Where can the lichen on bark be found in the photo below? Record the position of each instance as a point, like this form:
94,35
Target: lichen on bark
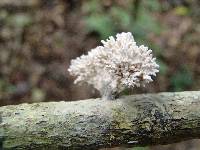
144,119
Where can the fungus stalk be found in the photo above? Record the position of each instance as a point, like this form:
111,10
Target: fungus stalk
108,93
117,65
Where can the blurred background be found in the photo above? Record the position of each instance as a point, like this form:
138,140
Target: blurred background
38,38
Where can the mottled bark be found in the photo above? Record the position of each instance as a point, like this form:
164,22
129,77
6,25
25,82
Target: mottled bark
91,124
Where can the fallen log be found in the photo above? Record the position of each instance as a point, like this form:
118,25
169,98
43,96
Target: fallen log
136,120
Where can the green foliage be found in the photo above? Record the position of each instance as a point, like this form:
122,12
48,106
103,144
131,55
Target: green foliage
101,24
19,20
106,22
6,87
145,24
163,67
92,6
181,79
140,148
181,10
153,5
121,17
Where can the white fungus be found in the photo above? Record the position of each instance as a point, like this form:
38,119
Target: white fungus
115,66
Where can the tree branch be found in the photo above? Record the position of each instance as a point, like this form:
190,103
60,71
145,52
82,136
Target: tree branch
91,124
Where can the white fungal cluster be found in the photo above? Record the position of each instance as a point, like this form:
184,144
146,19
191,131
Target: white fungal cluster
116,65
